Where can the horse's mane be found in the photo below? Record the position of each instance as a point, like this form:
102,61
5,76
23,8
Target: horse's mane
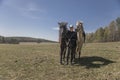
62,29
80,28
80,32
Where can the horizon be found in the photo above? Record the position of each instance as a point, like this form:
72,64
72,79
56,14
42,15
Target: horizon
39,18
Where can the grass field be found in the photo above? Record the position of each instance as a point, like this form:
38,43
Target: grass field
99,61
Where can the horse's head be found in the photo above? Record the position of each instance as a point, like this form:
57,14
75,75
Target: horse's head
62,29
62,26
79,25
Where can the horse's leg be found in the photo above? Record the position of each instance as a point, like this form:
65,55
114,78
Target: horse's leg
79,54
61,54
64,53
80,47
61,57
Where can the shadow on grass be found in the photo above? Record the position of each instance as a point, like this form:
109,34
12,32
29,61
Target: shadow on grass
92,62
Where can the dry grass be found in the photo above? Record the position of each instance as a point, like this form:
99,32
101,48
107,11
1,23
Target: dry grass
99,61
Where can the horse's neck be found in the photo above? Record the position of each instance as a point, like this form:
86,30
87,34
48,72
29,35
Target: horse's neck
80,35
80,32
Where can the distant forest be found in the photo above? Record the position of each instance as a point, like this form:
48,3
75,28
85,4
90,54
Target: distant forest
110,33
17,40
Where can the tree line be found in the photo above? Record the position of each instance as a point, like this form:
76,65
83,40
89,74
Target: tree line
110,33
8,40
17,40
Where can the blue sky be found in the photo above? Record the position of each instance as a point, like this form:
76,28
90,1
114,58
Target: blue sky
39,18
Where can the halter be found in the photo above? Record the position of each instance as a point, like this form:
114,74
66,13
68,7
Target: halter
78,28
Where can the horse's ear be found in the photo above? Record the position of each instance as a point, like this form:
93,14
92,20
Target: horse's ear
62,23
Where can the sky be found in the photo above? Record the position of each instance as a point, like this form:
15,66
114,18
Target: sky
39,18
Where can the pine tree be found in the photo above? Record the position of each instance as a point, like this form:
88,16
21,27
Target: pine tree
99,35
112,31
118,27
89,37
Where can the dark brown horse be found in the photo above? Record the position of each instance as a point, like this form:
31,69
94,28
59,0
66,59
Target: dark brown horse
63,40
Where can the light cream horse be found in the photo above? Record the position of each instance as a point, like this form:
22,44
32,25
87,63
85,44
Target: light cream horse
80,37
